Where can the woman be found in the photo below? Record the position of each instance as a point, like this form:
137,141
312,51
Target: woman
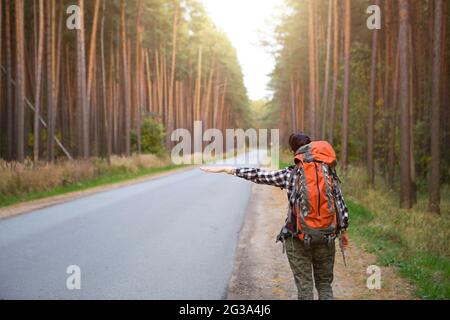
305,257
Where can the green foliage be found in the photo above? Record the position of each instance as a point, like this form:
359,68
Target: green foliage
359,100
43,143
429,272
415,241
152,137
260,113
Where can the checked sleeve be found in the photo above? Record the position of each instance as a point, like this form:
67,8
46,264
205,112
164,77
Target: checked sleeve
277,178
342,208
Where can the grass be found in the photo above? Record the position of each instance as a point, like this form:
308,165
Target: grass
430,273
414,241
99,174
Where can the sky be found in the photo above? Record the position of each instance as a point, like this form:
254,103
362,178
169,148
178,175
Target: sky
245,21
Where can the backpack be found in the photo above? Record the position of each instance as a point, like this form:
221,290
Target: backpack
315,208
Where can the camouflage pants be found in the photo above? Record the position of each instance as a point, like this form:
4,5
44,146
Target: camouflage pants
318,259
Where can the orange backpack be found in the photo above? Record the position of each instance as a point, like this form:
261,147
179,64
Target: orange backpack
315,207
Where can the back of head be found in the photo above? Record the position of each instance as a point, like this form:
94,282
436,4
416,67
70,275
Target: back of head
298,140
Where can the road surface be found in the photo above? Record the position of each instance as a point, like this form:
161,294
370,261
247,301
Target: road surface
172,237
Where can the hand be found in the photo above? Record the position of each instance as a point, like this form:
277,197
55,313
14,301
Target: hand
344,238
228,170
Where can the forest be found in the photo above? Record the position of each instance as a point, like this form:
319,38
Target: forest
135,70
131,65
380,96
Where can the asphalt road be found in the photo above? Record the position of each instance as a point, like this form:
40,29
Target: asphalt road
172,237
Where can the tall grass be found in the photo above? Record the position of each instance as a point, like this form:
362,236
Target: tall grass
416,241
417,229
29,180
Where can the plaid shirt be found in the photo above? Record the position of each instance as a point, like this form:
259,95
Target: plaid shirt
282,179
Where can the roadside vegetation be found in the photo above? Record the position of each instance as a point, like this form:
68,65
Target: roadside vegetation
27,181
31,180
414,241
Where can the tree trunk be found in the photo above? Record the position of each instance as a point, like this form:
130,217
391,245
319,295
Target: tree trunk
434,188
411,101
20,82
319,35
37,98
394,122
83,115
50,80
92,81
92,54
207,109
2,121
165,86
405,170
372,93
125,79
198,85
301,104
293,104
58,56
9,92
345,105
327,72
387,101
158,84
150,95
312,69
171,113
138,70
335,69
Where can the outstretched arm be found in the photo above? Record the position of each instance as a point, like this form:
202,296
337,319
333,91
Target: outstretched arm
228,170
277,178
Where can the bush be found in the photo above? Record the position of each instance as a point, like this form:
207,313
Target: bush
152,137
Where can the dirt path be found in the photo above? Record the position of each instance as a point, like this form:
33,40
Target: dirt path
261,270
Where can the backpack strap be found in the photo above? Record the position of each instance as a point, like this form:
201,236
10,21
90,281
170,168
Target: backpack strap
302,192
326,169
293,196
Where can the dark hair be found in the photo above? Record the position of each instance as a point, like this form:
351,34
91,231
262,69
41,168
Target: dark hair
298,140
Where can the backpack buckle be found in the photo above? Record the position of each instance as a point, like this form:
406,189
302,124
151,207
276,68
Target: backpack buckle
330,240
307,242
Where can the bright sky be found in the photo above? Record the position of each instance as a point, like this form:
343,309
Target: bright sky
244,21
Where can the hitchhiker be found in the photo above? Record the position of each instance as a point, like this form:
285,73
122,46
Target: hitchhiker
317,212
